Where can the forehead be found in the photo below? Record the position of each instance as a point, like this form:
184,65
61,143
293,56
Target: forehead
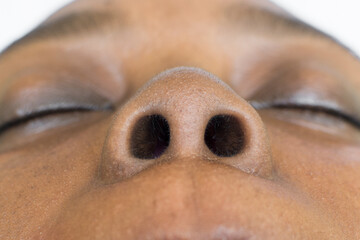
177,18
182,19
174,7
215,35
169,15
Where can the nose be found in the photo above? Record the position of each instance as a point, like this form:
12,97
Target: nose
185,113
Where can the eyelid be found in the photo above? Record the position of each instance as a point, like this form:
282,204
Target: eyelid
333,111
48,111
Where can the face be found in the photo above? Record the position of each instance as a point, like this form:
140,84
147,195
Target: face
178,120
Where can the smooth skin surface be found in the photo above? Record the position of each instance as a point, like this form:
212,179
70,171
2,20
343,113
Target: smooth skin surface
73,90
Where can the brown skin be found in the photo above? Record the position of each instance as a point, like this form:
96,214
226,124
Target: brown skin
71,175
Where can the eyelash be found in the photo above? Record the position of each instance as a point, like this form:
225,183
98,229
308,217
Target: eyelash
44,113
34,115
317,109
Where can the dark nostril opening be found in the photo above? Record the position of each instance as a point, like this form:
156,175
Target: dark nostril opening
150,137
224,136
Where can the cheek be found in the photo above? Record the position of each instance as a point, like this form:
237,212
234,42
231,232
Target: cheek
36,180
325,170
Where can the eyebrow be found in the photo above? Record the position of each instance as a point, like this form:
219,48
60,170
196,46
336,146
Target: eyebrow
266,21
70,25
255,19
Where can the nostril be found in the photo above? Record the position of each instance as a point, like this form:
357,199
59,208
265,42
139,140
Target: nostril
150,137
224,136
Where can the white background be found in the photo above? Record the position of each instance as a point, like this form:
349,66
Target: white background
338,18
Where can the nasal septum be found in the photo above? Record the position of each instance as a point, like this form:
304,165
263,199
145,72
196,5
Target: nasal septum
185,113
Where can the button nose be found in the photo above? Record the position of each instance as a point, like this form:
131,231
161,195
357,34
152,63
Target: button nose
185,113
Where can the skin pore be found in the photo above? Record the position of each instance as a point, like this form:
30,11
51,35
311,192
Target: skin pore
171,119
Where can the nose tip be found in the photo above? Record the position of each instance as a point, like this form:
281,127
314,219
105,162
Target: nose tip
185,113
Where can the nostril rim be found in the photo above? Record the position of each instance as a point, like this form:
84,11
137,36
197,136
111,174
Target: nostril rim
224,136
150,137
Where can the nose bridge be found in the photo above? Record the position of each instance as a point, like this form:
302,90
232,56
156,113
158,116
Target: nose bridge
199,113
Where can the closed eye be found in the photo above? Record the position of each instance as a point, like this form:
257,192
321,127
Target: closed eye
48,112
312,108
